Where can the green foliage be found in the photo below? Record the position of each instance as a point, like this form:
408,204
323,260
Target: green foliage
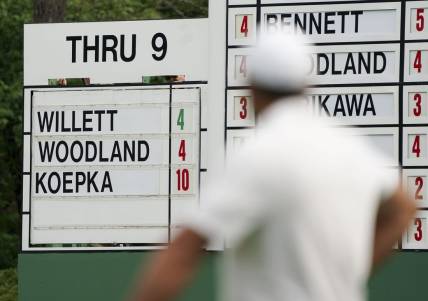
111,10
9,239
12,15
8,285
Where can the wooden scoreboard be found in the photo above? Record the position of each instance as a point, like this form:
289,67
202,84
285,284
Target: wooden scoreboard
369,66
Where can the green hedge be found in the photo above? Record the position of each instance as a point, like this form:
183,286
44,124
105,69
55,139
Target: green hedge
8,285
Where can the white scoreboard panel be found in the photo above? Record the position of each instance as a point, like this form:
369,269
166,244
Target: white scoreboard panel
113,163
109,166
370,66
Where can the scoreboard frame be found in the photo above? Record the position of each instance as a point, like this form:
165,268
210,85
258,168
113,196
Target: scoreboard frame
172,227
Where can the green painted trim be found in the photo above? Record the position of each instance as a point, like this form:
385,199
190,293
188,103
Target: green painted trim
403,278
94,276
108,276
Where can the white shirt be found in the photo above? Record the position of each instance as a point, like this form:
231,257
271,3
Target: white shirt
297,206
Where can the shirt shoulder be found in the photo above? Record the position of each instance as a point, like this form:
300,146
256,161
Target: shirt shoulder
316,149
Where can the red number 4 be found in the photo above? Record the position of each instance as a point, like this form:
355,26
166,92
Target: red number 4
417,63
416,148
244,26
243,66
182,150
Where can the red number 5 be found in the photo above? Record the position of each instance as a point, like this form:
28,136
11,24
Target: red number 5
420,20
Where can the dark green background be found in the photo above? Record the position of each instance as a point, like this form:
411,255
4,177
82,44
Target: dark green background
108,276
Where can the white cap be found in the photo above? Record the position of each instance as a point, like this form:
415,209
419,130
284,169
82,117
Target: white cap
281,63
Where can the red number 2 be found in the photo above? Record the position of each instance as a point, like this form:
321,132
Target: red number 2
244,26
420,20
419,181
418,234
418,110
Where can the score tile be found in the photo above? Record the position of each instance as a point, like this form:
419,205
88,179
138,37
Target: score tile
416,235
416,20
242,26
415,146
415,181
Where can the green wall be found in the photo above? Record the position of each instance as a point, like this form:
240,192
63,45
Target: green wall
95,276
403,278
107,277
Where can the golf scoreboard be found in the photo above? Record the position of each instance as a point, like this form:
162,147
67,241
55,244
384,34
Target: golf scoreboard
369,66
116,161
111,160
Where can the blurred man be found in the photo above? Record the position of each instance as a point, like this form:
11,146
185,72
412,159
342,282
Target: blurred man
306,210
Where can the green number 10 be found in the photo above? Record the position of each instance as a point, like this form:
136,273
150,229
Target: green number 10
180,120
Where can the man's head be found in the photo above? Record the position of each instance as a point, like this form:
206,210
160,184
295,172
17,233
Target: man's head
279,68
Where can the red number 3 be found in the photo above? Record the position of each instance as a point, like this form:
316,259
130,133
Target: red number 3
418,234
418,110
420,20
244,112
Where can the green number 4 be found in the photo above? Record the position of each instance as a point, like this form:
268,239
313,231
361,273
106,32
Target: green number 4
180,120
